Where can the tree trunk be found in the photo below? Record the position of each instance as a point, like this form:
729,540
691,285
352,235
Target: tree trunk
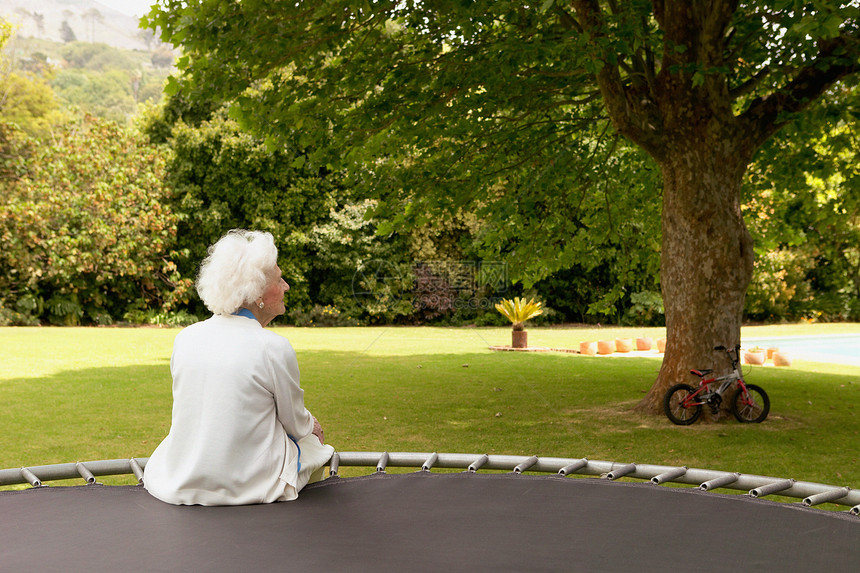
686,115
706,261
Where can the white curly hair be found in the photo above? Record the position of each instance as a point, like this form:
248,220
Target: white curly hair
237,270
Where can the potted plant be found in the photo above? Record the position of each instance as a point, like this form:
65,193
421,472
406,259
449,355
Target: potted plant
754,355
518,311
781,359
588,348
605,347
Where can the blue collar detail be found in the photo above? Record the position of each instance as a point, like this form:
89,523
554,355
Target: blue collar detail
245,312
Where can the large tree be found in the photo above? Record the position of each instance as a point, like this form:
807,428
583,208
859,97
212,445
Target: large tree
515,110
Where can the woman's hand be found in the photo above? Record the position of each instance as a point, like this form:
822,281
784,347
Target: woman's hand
318,431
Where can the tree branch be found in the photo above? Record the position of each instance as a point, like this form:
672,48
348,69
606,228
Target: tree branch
630,113
749,85
566,19
766,115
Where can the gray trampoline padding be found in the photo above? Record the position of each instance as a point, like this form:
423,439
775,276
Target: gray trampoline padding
426,522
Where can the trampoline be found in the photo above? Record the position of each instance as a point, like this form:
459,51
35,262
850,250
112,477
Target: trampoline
471,520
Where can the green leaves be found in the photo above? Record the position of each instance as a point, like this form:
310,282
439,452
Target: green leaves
802,205
698,78
172,86
84,230
494,108
224,178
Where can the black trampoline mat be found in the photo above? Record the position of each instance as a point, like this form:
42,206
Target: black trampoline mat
426,522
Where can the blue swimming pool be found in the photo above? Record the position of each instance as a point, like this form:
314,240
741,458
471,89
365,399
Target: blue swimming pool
842,348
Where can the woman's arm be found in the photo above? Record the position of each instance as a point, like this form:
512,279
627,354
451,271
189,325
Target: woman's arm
288,394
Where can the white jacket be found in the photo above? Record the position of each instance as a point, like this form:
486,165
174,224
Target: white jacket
238,419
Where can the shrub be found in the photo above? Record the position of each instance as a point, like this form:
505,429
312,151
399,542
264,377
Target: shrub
321,315
85,233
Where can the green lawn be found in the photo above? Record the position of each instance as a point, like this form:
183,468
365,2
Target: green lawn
77,394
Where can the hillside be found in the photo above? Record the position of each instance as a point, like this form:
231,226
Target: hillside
88,19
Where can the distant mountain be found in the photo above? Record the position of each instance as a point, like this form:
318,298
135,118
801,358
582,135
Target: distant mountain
89,20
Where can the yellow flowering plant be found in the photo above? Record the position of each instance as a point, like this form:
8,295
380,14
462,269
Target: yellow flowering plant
519,310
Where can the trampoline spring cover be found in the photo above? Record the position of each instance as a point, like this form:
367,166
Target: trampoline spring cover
757,486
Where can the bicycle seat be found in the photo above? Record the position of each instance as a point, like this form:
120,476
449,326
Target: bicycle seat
701,373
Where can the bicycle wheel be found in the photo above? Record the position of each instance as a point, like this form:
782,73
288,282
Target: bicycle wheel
676,411
751,407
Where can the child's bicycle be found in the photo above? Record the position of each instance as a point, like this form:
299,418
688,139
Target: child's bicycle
683,403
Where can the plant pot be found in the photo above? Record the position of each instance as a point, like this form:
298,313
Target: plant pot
771,351
644,344
661,345
519,339
781,359
605,346
588,348
623,345
754,357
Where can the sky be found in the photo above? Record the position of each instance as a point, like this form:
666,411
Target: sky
130,7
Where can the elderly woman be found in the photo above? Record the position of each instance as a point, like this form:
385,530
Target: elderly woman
240,432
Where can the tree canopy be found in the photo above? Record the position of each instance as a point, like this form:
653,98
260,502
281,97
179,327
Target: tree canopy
497,105
518,112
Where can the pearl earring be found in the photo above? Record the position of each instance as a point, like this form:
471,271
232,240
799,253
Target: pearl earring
262,305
